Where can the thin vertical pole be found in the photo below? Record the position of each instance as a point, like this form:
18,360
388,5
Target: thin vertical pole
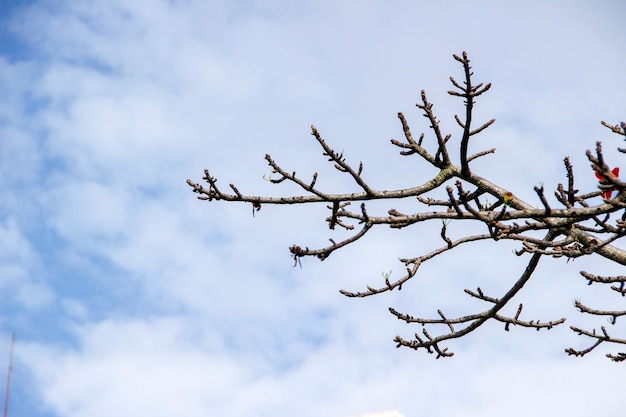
6,395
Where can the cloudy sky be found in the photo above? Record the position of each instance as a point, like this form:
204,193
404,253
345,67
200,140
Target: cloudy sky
130,297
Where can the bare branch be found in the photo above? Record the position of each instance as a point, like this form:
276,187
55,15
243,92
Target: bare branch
476,320
587,224
600,338
442,151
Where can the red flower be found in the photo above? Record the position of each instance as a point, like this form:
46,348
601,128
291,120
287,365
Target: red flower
608,193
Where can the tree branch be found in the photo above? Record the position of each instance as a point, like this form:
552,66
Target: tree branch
584,226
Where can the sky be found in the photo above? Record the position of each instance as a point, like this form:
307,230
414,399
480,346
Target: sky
128,296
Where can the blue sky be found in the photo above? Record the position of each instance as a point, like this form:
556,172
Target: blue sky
130,297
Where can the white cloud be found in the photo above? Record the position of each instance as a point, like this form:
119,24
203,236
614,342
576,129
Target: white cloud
163,304
160,365
21,270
